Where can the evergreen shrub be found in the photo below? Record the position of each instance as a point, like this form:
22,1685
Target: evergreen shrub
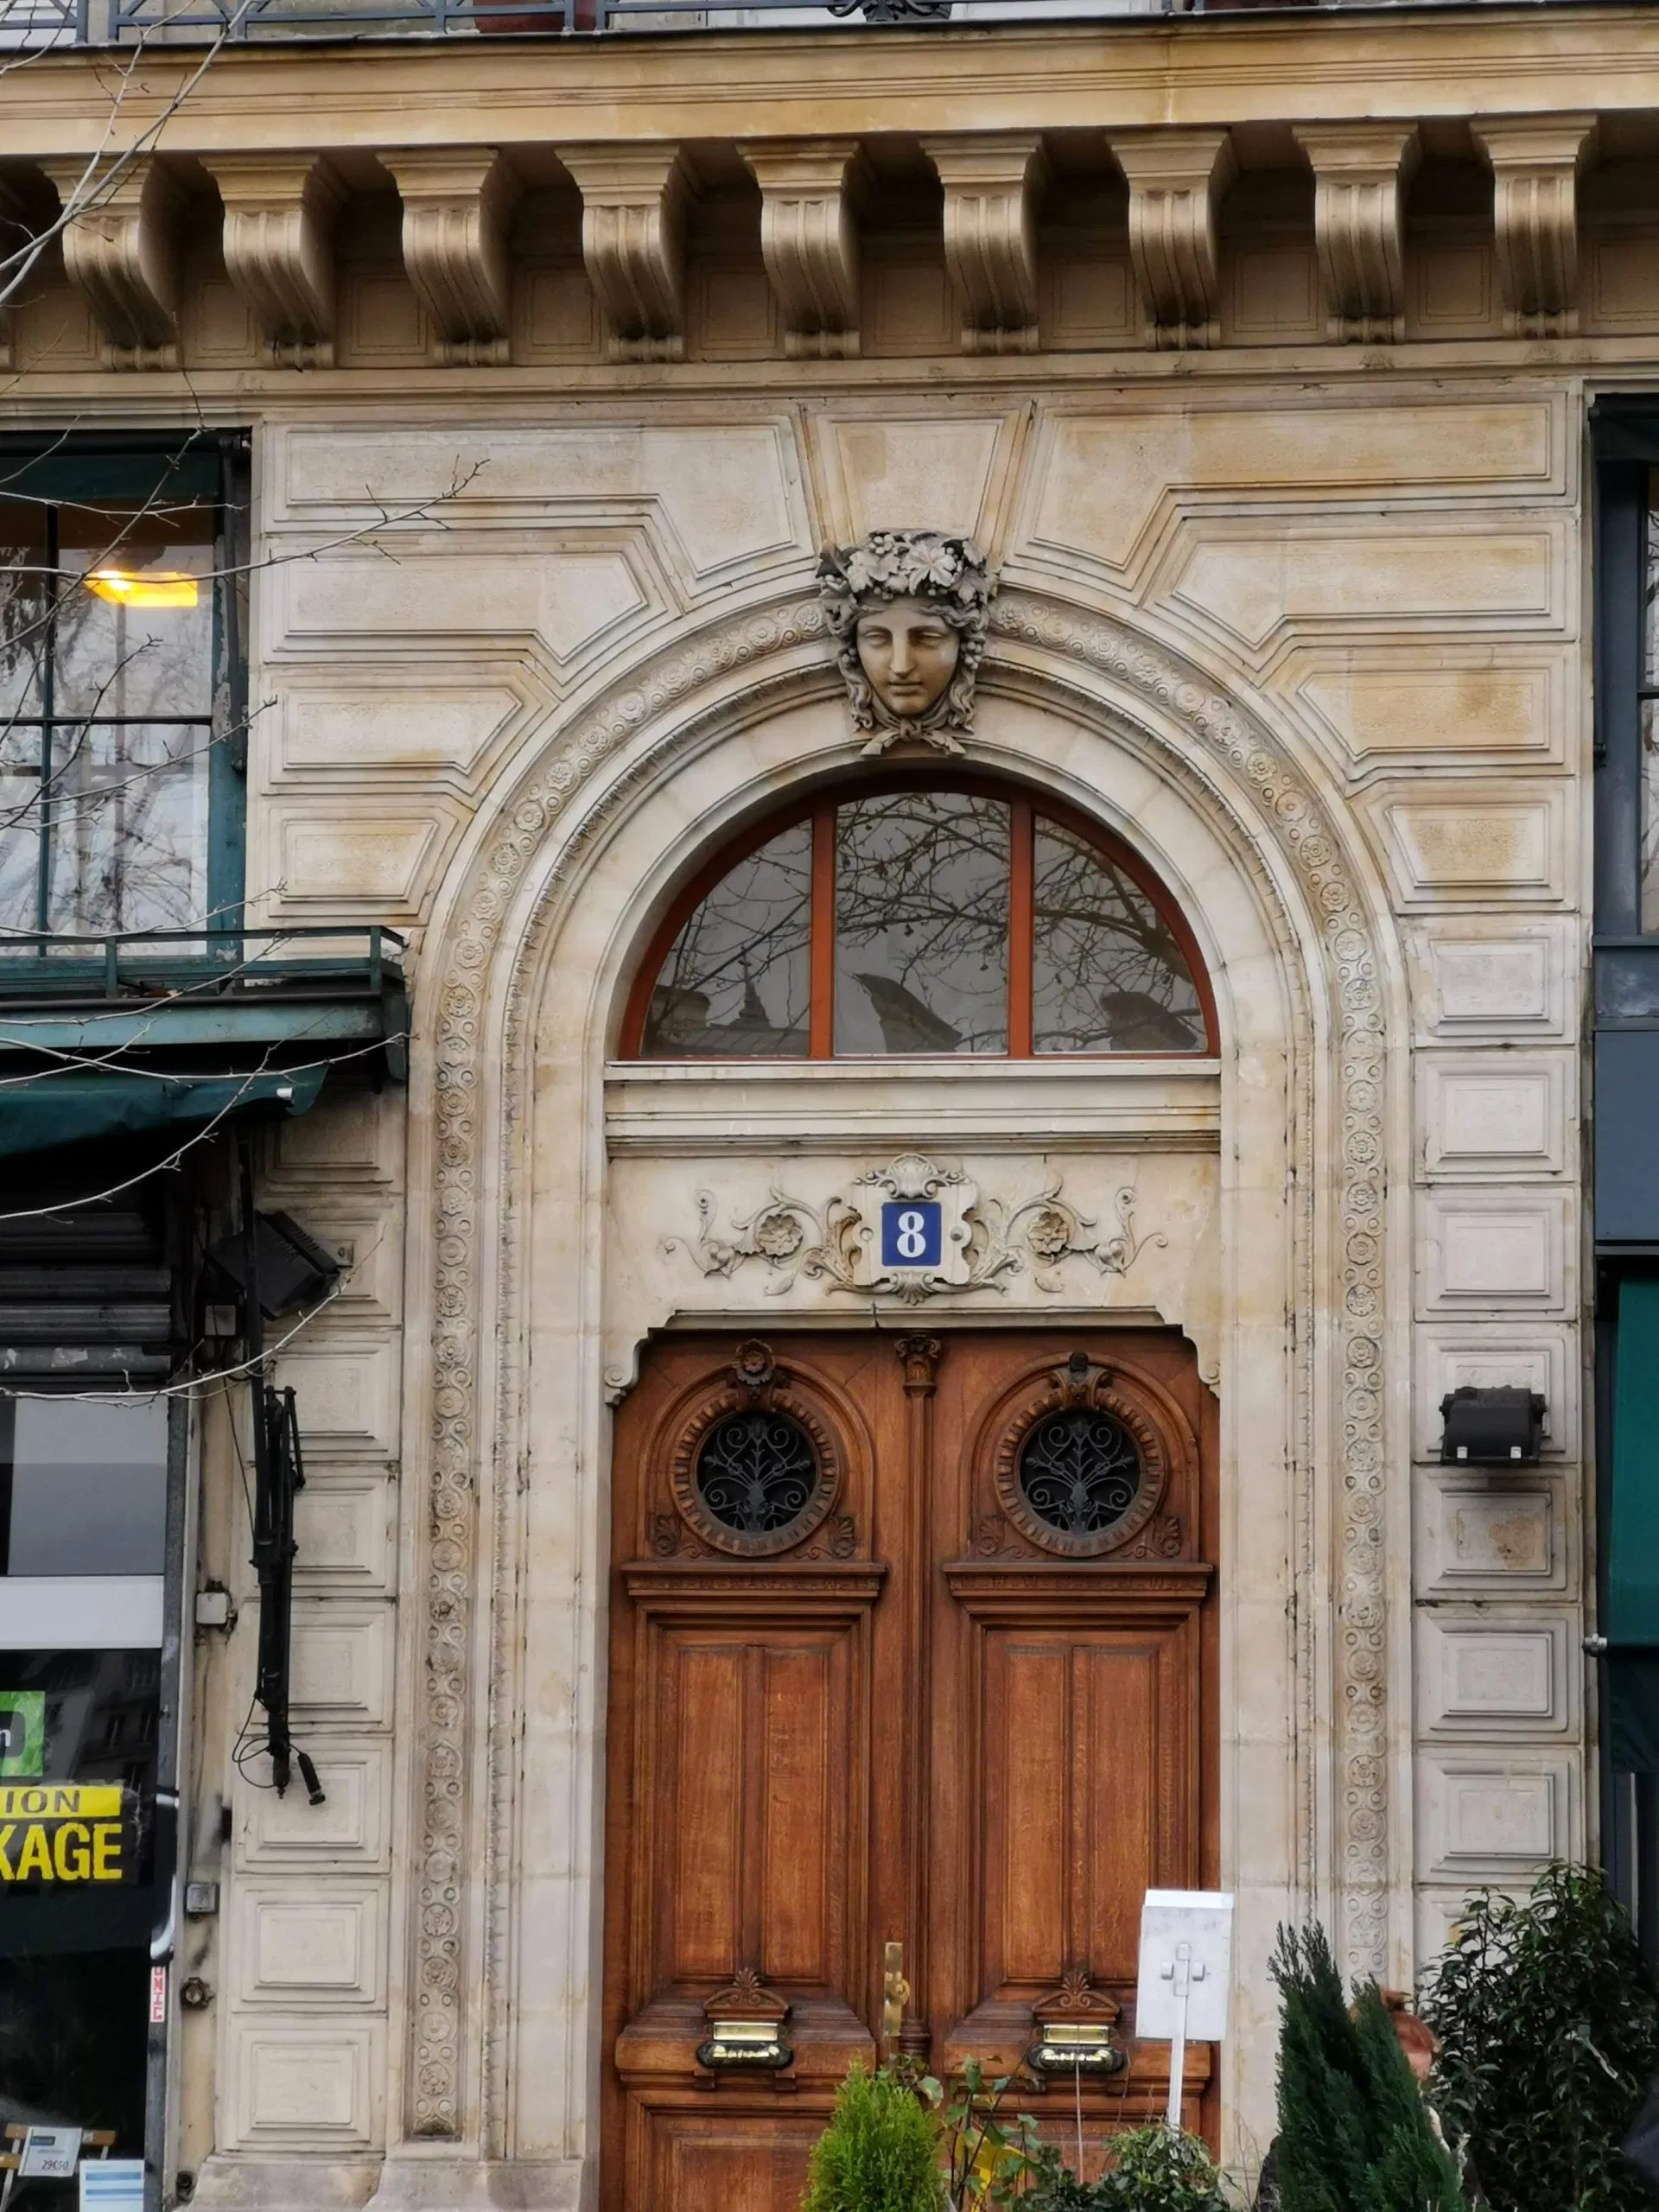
878,2153
1354,2132
1548,2025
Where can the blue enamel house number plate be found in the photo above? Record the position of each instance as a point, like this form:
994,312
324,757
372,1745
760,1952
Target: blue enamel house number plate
912,1233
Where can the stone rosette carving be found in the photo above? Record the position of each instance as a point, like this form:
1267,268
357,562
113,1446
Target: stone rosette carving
945,576
984,1243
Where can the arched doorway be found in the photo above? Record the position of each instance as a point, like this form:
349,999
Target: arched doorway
912,1629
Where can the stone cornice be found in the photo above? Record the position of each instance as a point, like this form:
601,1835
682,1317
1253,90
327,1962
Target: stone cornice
1197,71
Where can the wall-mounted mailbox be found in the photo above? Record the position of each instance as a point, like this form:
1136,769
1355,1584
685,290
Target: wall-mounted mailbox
1491,1427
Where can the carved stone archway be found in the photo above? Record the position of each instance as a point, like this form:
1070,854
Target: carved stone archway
488,964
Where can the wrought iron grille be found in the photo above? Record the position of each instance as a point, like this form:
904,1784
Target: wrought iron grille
757,1472
1079,1470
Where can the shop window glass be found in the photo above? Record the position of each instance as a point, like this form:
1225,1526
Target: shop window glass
912,919
83,1486
108,617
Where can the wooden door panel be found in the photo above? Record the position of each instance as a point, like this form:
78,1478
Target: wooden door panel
747,1774
711,2162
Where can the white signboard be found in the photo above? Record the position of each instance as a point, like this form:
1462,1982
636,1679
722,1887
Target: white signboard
49,2154
111,2185
1186,1947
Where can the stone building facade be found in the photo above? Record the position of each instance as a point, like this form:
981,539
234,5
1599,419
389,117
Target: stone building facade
1257,354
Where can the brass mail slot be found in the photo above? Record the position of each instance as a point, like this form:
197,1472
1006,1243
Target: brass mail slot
742,2042
1072,2046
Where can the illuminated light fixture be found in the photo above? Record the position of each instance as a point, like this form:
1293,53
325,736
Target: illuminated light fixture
144,587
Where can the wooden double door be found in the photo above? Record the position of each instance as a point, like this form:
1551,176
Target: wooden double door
911,1642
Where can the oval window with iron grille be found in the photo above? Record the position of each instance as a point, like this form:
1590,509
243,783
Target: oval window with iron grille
1079,1470
758,1473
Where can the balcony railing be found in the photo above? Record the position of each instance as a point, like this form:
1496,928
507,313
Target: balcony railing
33,23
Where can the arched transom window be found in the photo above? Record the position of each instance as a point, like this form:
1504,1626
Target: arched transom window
910,917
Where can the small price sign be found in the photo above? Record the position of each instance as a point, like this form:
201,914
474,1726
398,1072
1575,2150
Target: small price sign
913,1234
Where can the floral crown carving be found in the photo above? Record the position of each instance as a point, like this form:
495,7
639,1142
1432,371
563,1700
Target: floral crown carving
950,574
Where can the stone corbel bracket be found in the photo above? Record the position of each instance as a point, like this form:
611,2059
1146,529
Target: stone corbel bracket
1535,163
809,241
1176,180
456,200
992,183
634,202
120,252
279,215
1361,172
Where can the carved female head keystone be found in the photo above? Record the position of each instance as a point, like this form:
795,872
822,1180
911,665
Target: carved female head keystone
908,610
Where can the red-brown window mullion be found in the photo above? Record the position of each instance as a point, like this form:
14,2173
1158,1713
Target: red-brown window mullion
821,956
1021,931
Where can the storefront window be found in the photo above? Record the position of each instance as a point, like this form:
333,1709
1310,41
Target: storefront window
83,1872
112,635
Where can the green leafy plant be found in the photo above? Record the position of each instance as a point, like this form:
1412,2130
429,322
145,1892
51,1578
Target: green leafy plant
1354,2132
879,2153
989,2159
1153,2169
1549,2036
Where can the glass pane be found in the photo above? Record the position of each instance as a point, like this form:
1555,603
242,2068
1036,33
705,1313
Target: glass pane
1107,974
75,1922
734,984
1650,598
20,822
922,924
83,1486
128,827
134,625
25,596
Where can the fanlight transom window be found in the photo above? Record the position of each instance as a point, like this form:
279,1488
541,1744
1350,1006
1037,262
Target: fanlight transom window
922,918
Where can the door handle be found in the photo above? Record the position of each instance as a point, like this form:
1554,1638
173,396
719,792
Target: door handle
895,1994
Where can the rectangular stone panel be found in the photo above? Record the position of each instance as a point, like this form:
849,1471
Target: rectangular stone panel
1483,1816
1481,1251
346,1396
1477,979
1494,1114
342,1662
1471,845
311,1943
1483,1536
308,2084
350,1829
344,1527
1495,1676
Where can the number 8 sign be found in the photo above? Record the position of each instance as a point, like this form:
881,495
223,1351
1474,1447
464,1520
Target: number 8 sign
911,1233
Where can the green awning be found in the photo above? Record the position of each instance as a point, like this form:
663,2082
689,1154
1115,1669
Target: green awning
78,1105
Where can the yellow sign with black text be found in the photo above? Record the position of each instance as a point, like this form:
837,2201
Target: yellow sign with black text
65,1833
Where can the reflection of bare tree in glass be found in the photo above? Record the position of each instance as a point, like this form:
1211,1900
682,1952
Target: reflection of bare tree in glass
1108,976
922,924
109,806
1650,715
735,983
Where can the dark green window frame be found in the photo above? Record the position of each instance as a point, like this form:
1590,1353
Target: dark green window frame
71,469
